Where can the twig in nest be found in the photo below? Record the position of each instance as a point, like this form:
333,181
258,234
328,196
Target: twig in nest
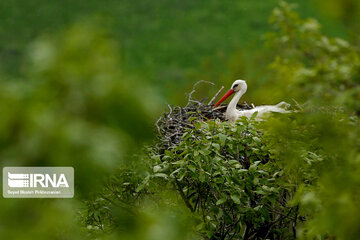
216,95
194,90
297,104
219,108
157,125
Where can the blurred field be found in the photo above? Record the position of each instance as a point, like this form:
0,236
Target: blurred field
170,43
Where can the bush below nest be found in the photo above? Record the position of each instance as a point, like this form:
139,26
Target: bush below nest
227,176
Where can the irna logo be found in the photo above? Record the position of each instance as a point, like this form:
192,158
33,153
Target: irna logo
16,180
38,182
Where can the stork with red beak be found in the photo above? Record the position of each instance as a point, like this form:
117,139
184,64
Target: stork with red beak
239,87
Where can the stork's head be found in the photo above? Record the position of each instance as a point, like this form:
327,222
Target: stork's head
238,85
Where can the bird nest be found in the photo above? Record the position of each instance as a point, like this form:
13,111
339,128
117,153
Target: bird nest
172,124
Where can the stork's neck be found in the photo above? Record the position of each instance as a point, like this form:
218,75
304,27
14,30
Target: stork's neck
232,105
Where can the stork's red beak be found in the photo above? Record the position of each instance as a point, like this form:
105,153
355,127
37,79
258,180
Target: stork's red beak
228,94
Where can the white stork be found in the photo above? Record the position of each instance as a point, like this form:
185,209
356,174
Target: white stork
239,87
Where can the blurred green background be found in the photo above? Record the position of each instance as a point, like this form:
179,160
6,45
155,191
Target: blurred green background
171,44
83,82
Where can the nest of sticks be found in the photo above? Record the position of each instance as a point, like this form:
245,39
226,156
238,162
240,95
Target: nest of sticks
172,124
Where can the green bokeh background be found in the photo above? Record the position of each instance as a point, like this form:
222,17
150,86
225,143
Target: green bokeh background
169,43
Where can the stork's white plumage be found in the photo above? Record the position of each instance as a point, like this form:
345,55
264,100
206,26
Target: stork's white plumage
239,87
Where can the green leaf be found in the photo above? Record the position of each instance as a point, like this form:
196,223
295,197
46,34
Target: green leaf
235,198
254,116
180,162
253,166
155,157
232,162
222,138
217,146
192,119
156,168
140,187
162,175
204,152
220,201
192,168
176,171
202,177
200,226
263,172
168,153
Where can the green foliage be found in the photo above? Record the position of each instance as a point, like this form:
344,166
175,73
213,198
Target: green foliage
318,149
75,102
312,67
134,205
319,154
74,108
227,176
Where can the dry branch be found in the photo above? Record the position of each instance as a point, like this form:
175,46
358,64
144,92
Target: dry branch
216,95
